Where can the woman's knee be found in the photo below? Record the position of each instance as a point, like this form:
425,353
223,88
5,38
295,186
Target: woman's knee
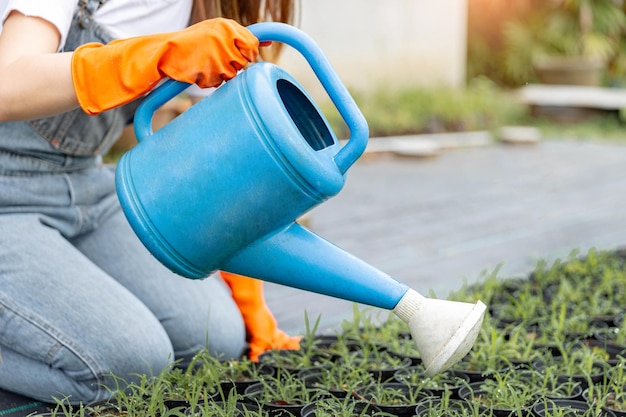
206,318
144,356
123,359
220,332
82,374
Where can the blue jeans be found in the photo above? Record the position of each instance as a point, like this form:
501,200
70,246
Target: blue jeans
81,298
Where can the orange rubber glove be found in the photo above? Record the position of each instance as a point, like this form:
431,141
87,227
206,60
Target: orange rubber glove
261,327
207,53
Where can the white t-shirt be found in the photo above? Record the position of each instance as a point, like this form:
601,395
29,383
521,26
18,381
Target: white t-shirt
121,18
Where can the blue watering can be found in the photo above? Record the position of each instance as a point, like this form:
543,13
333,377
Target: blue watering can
220,187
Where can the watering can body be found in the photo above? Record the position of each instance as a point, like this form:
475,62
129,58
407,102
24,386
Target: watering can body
215,180
221,187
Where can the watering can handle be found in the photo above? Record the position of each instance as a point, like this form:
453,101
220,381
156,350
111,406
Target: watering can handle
338,93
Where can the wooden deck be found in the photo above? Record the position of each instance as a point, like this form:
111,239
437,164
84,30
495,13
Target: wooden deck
435,222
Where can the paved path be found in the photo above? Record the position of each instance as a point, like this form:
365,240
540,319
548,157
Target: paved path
435,222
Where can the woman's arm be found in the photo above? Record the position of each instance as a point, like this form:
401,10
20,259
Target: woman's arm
35,80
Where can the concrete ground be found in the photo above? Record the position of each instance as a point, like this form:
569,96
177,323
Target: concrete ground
439,221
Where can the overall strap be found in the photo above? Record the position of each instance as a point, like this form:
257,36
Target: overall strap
86,9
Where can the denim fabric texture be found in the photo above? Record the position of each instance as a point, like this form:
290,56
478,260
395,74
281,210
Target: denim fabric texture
80,296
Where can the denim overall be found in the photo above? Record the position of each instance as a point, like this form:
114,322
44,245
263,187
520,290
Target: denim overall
81,299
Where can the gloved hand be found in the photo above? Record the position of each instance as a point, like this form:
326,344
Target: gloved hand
261,327
207,53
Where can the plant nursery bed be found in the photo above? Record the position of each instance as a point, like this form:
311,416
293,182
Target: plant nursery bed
553,344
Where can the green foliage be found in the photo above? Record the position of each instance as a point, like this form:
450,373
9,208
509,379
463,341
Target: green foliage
391,394
344,407
560,297
479,106
286,389
340,378
528,33
505,391
443,382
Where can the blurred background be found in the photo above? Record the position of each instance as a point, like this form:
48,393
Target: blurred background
440,66
432,66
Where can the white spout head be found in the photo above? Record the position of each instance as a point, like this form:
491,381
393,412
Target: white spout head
444,331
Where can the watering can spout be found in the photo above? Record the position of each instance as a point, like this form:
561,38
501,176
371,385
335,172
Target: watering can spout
444,331
298,258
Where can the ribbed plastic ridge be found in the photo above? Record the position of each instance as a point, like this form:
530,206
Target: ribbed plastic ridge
409,305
